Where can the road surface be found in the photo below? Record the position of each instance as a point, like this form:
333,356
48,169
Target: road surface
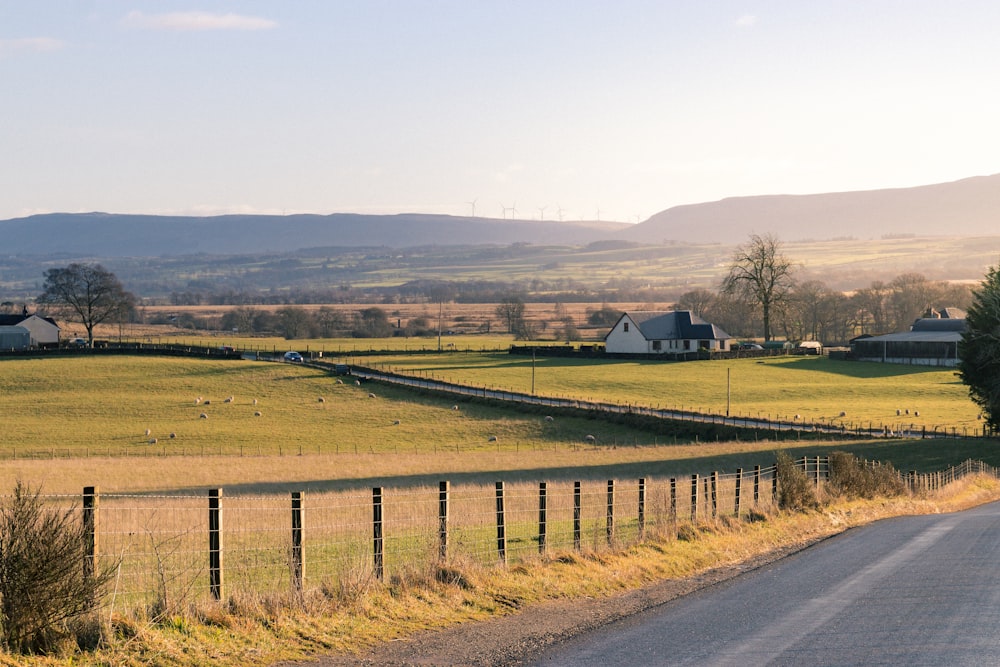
921,590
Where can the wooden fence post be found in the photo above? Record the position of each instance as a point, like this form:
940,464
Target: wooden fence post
642,508
377,537
715,494
673,503
577,507
298,554
501,526
611,512
215,543
91,500
756,485
694,497
774,482
542,507
444,491
739,488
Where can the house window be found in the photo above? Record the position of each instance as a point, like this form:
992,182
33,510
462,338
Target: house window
687,345
625,327
657,346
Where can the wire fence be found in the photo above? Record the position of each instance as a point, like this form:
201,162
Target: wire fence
175,549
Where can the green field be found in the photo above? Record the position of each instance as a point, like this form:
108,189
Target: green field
815,388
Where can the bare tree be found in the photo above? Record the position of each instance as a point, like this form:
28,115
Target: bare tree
87,292
760,273
511,312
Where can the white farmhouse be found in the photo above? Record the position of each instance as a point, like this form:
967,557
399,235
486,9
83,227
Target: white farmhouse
664,332
44,331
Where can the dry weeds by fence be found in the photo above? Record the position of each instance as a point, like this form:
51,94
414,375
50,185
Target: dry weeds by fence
174,550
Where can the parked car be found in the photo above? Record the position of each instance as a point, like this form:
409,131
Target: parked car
749,346
341,369
78,342
294,357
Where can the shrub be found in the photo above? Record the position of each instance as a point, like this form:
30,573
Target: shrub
795,490
42,580
852,478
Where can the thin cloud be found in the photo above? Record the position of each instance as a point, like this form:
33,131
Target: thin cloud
746,21
30,45
196,21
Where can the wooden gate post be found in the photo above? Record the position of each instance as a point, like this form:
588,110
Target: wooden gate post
444,492
542,507
91,500
298,553
774,482
215,543
377,535
715,494
673,502
577,511
756,485
501,526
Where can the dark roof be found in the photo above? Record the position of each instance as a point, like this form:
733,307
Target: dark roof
8,320
939,324
674,325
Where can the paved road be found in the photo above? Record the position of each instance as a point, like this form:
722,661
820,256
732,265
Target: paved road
912,591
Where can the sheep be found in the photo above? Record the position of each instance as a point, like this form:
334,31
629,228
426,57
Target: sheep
148,432
549,418
797,417
589,438
898,412
370,395
395,422
229,399
208,402
321,399
197,400
454,407
493,438
152,441
916,413
256,413
202,416
844,414
255,401
339,381
357,382
172,435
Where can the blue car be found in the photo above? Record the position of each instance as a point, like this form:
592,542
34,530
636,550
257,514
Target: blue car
293,357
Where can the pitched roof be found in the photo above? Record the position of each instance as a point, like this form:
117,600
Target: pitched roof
674,325
8,320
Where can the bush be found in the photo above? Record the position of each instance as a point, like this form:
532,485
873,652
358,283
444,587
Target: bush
42,580
795,490
851,478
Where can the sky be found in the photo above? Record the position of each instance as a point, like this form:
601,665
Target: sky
560,109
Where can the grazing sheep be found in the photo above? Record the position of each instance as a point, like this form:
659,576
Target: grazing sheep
493,438
339,381
357,382
549,418
844,414
321,399
395,422
152,441
172,435
898,412
454,407
148,432
202,416
229,399
589,438
916,413
255,401
370,395
208,402
256,413
797,417
197,400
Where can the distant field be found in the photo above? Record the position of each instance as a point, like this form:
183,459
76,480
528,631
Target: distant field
816,388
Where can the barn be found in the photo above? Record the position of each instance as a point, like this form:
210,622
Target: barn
931,341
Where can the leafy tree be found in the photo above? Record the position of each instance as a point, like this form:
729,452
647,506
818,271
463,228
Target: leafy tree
372,323
87,292
979,349
760,273
606,316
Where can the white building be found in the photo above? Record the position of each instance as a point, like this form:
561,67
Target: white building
43,330
664,332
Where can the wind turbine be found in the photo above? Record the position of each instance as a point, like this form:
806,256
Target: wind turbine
513,211
559,210
473,205
505,209
598,213
541,212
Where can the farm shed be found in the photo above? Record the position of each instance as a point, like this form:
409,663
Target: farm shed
931,341
44,331
664,332
14,338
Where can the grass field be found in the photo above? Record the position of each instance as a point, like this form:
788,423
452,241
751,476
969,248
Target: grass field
79,421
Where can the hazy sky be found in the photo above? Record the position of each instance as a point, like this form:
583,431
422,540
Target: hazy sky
573,107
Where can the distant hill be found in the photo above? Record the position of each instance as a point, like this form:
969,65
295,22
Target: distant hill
969,207
123,235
